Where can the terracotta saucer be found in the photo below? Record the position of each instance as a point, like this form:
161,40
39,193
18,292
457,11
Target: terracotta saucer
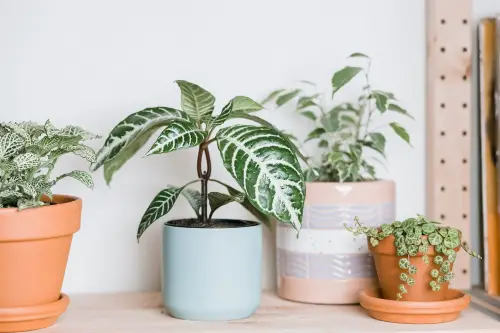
414,312
20,319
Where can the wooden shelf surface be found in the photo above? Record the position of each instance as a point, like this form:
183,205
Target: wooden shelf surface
142,313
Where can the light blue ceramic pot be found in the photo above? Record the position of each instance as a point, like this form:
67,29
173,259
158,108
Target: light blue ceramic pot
212,274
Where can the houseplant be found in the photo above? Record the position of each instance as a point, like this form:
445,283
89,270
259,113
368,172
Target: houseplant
211,267
36,227
414,261
341,185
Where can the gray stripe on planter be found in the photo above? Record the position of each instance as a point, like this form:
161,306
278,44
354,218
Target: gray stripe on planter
323,266
334,216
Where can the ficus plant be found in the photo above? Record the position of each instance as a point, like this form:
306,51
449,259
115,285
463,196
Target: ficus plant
344,131
28,155
262,160
417,236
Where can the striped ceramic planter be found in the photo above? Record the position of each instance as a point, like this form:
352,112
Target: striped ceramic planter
327,264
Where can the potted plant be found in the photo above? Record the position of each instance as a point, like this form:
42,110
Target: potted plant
36,227
414,263
212,266
326,265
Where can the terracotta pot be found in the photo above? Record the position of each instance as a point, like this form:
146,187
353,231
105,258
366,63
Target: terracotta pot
388,272
327,264
34,249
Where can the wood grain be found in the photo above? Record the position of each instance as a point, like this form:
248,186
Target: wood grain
141,313
448,196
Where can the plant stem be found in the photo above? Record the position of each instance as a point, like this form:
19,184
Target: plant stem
204,176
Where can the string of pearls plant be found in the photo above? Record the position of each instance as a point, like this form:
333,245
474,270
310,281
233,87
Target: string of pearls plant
416,236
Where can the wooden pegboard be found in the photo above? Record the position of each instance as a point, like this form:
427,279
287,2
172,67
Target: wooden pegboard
449,42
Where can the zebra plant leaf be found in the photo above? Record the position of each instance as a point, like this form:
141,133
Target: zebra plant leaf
178,135
83,177
238,104
194,198
161,205
263,218
129,135
265,166
196,101
217,200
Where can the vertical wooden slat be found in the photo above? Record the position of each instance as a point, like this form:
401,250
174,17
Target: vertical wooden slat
449,37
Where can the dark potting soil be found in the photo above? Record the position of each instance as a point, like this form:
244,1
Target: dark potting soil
212,224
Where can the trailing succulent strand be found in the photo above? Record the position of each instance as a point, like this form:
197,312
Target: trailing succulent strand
28,155
415,236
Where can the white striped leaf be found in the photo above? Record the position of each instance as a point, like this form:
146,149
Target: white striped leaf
128,136
196,101
237,104
217,200
83,177
264,164
10,144
26,161
178,135
194,198
161,205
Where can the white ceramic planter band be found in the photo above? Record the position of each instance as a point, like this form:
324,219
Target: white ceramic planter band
327,264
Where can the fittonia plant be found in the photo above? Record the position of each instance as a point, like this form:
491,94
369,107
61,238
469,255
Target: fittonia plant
261,159
416,236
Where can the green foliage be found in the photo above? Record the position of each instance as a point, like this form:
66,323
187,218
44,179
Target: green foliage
344,131
261,159
28,154
418,237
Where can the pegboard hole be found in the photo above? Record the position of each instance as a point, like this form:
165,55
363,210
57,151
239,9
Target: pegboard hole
443,77
464,271
443,133
464,133
442,188
443,50
443,105
464,216
464,77
464,21
442,161
442,216
464,49
443,21
464,105
464,188
464,161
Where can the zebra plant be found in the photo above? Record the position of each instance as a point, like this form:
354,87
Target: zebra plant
28,155
261,159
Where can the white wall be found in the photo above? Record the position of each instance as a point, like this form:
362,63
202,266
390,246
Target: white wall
94,62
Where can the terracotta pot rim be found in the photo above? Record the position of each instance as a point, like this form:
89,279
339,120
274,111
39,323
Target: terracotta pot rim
55,197
36,312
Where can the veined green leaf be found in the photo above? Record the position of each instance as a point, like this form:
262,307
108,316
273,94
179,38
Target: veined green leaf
263,218
343,76
378,141
27,188
267,124
398,109
358,55
10,193
161,205
388,94
84,151
400,131
10,144
196,101
194,198
315,134
287,97
381,101
323,144
26,161
50,129
217,200
78,131
265,166
83,177
177,135
330,121
128,136
19,129
238,104
271,96
347,118
309,114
